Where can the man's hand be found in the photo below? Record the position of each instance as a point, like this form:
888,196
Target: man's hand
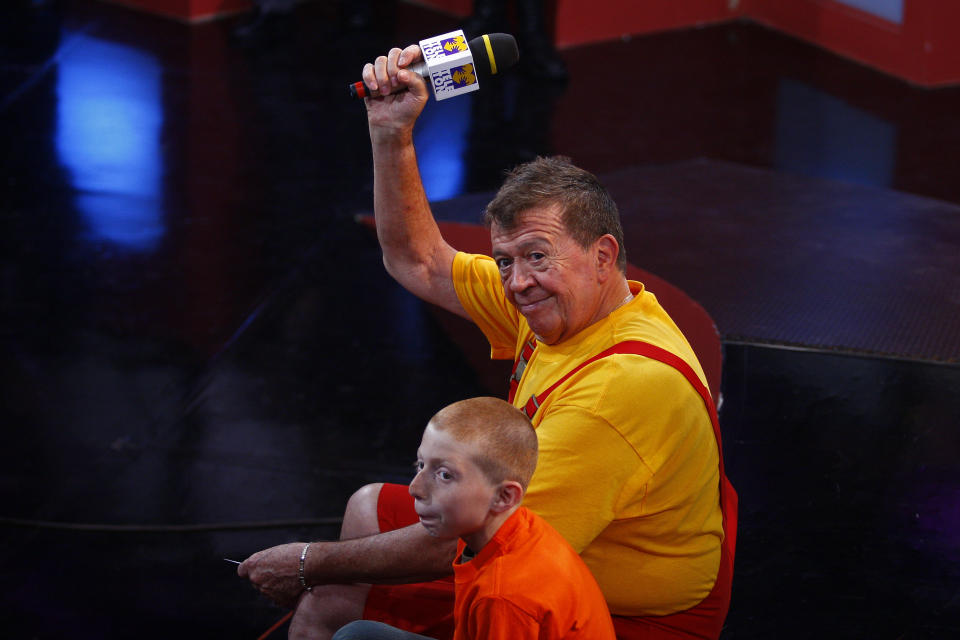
394,112
275,572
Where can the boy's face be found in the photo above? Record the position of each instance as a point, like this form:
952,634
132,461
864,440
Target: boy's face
451,494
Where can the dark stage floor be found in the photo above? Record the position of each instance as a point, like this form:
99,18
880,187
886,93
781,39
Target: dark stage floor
202,355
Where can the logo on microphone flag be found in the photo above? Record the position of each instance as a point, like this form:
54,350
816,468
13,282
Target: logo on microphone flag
449,64
454,45
463,76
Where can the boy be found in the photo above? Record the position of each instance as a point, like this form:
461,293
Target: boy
516,577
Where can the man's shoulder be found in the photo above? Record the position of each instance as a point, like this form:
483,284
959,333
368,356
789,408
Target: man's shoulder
647,322
629,392
628,385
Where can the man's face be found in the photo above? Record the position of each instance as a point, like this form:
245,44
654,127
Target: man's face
547,275
451,494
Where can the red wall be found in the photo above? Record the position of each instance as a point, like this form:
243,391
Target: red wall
454,7
189,10
924,49
584,21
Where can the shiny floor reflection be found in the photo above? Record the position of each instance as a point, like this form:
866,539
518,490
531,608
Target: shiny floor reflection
202,355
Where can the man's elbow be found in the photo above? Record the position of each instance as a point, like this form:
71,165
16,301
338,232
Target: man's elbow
411,275
426,275
396,269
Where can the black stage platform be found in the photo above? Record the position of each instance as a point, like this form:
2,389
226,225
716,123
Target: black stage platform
202,355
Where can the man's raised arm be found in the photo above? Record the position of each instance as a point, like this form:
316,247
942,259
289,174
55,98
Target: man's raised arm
414,252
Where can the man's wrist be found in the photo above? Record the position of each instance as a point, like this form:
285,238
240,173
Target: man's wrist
391,138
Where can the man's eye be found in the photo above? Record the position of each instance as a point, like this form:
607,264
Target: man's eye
444,475
418,465
536,256
503,263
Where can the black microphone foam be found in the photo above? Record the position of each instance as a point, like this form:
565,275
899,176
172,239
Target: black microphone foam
492,53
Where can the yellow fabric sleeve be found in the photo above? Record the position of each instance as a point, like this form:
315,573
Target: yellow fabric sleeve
476,280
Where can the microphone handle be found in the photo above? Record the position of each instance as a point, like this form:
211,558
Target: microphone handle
361,90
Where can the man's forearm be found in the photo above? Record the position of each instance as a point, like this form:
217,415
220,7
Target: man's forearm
405,555
405,226
414,251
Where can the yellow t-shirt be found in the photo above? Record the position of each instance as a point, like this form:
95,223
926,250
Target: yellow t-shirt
628,469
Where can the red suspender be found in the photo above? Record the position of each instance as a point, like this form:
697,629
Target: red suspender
728,496
519,366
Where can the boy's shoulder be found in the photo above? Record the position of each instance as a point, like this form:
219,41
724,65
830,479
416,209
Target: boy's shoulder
526,541
533,578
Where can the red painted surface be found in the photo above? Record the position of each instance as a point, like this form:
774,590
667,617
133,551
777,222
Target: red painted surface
923,50
458,8
188,10
584,21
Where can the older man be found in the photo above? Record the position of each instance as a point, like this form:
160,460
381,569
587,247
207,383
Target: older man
630,471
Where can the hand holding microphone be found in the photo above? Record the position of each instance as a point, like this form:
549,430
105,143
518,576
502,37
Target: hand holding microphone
382,76
451,64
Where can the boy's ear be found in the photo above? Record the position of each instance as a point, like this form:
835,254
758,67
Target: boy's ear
508,495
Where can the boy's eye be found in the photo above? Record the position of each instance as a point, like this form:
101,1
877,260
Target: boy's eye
444,475
418,465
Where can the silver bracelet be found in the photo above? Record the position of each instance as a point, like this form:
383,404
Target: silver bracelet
303,559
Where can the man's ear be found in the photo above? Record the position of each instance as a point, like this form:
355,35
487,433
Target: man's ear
606,250
508,495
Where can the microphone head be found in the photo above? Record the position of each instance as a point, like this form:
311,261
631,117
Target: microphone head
493,52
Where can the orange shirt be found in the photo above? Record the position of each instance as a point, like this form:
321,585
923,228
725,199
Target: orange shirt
528,582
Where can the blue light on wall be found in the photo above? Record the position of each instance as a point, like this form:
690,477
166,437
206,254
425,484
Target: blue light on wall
441,139
891,10
820,135
108,137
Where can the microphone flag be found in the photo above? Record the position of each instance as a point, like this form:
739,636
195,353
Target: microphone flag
449,64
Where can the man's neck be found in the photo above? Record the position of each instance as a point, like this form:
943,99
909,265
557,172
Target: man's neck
619,295
613,296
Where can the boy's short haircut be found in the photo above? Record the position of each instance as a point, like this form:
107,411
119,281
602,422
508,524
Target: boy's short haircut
502,434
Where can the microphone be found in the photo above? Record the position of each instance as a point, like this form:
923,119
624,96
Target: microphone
455,66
